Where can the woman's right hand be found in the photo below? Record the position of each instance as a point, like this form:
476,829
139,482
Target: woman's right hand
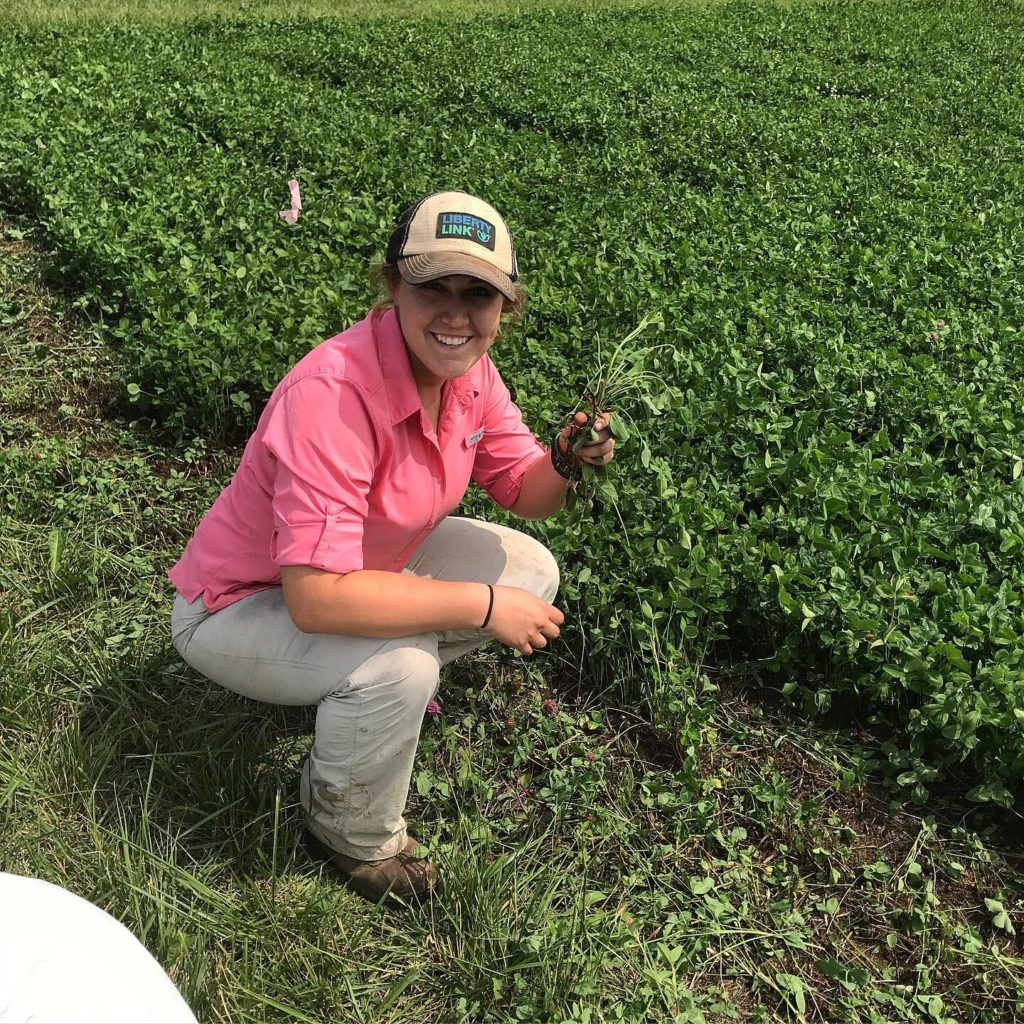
522,620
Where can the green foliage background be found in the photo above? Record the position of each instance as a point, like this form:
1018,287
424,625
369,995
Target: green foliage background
829,482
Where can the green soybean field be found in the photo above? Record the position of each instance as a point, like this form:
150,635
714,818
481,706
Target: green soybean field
772,769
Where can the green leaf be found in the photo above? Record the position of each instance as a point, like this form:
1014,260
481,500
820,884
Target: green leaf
850,977
1002,921
57,543
792,986
670,953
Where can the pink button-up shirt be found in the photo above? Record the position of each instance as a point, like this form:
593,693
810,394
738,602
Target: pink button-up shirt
345,472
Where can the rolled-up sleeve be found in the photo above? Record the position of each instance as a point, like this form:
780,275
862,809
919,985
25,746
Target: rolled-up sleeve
508,447
325,445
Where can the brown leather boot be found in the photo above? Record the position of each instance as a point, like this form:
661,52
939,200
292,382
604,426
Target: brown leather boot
403,875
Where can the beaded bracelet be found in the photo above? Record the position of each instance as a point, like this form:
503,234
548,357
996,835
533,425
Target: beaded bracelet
567,467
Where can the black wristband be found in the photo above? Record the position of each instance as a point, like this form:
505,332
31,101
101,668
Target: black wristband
490,607
567,467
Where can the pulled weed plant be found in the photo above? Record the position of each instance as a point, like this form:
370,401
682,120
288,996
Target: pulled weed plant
617,386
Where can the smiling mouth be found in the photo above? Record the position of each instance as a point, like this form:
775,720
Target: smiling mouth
451,340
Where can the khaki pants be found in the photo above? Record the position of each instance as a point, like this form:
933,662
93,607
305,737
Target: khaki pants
371,694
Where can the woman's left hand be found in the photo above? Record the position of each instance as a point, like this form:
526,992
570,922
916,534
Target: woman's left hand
597,453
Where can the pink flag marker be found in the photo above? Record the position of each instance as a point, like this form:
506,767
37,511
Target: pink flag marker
291,215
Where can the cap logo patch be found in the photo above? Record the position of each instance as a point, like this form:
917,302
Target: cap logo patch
465,225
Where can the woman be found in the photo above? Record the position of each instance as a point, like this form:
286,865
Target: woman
329,571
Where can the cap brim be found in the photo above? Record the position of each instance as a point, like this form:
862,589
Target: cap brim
430,266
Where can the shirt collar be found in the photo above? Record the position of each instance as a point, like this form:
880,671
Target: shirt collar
403,398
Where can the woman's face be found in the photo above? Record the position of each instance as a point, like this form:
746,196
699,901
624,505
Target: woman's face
448,324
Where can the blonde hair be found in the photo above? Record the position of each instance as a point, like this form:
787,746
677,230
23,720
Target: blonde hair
383,275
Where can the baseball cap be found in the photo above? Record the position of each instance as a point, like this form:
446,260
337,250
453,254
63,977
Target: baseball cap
454,233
